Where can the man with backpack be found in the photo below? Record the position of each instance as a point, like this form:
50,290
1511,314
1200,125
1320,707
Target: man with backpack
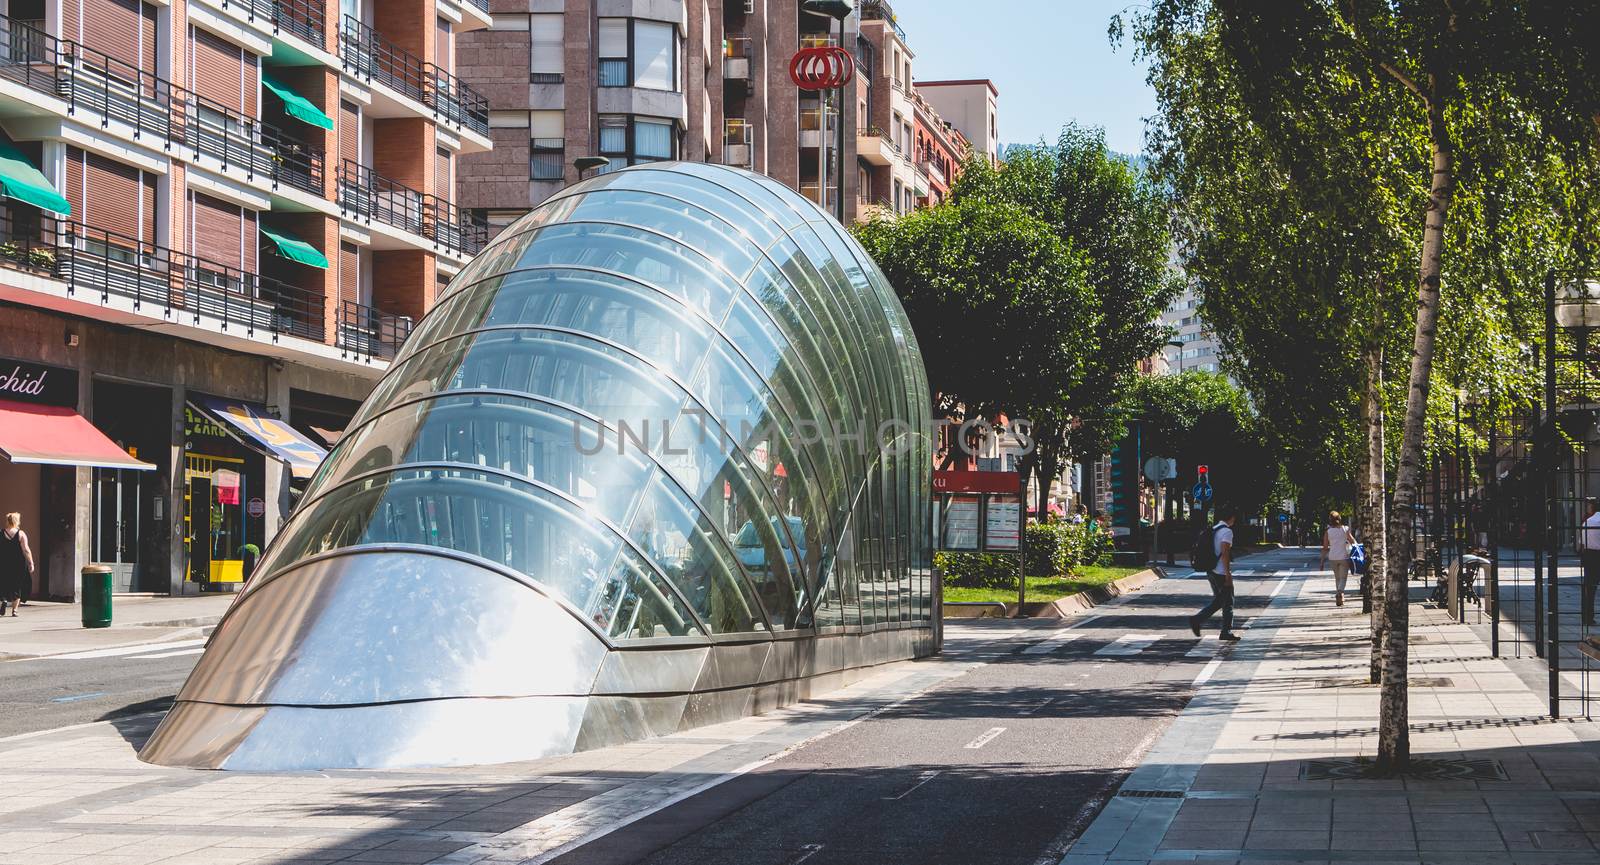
1213,553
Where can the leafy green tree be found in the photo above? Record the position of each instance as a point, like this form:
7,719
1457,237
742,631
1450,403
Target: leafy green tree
1107,210
996,297
1358,134
1202,418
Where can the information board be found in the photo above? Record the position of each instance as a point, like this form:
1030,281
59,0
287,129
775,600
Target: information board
1003,523
960,523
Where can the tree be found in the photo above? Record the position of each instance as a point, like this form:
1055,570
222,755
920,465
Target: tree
995,297
1107,210
1381,126
1202,418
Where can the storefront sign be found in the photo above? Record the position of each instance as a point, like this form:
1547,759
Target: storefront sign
37,383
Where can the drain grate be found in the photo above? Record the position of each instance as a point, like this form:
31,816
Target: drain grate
1413,681
1151,794
1422,768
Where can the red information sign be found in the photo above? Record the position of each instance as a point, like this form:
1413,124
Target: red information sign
976,482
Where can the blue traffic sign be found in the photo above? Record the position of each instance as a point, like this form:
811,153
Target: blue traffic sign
1283,518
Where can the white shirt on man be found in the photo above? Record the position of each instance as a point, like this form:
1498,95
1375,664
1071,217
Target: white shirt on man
1223,535
1589,535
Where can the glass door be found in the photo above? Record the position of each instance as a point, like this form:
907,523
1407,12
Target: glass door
116,525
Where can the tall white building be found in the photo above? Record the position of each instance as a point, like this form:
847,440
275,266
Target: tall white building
1200,349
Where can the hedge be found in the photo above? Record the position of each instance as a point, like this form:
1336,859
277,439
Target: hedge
1051,550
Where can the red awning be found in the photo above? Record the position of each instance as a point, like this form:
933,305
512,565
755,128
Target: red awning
56,436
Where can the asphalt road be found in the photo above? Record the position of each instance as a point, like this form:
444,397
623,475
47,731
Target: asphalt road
48,693
1005,764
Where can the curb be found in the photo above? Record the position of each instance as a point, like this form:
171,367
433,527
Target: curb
1061,607
192,628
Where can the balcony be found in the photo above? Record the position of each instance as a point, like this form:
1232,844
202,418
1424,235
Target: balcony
866,211
304,19
874,146
931,169
736,138
90,82
736,58
174,285
370,55
370,334
368,195
814,124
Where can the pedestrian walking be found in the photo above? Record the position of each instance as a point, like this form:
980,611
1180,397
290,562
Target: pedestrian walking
16,563
1589,555
1213,552
1336,543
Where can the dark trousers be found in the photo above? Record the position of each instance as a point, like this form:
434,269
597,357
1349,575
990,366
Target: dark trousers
1591,580
1221,599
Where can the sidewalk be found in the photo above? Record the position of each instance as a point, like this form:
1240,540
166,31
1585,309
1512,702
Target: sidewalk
1262,765
44,628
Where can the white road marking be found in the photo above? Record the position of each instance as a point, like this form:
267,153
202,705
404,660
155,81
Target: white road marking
1207,647
1061,638
1279,587
923,778
1130,644
195,651
811,850
986,738
124,650
1039,706
1206,673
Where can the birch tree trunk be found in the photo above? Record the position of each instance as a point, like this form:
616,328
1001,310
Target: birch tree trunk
1394,740
1372,505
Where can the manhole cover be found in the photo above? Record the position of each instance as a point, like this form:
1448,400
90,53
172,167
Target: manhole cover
1423,768
1151,794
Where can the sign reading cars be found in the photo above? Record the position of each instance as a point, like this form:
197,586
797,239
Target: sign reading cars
822,68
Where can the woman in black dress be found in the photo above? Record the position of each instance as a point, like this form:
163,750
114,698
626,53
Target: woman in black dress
16,563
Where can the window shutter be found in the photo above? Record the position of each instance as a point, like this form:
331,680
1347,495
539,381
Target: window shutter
545,34
218,228
547,124
613,37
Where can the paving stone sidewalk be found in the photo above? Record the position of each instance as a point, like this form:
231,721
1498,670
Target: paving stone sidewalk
44,628
79,795
1259,767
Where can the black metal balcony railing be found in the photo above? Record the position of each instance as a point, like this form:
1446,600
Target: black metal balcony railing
92,81
481,4
369,333
251,10
369,195
303,18
178,284
367,53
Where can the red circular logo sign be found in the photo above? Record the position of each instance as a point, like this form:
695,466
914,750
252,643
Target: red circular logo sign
822,68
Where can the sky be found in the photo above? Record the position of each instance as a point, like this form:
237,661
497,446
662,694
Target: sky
1050,59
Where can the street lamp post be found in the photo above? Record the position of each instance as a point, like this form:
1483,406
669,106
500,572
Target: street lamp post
589,163
1172,343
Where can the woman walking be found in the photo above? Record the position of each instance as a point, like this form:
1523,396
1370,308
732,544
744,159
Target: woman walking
1336,543
16,563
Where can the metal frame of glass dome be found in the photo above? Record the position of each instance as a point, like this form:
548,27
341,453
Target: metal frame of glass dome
659,457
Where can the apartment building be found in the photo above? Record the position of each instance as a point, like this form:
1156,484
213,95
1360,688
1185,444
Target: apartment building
1198,349
709,81
971,106
221,218
937,153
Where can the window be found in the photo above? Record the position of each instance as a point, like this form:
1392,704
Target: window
628,140
548,152
655,55
545,34
613,45
652,62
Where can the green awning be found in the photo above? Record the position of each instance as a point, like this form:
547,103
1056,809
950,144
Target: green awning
296,105
20,180
296,249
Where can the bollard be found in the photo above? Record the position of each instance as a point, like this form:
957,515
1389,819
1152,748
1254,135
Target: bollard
96,594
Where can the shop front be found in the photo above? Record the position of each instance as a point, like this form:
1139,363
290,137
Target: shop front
44,442
231,454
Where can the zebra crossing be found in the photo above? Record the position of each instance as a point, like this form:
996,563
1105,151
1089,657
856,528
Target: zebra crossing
148,651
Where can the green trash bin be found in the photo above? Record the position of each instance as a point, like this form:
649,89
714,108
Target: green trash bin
96,594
